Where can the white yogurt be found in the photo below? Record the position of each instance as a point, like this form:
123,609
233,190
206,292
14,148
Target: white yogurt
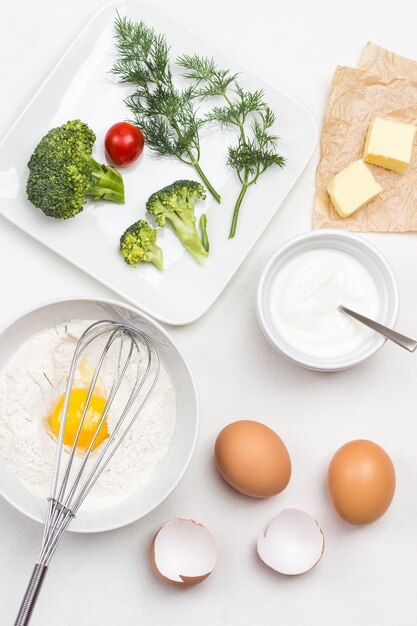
304,297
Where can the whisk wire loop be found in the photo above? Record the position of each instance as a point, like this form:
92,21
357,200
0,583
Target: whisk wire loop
72,481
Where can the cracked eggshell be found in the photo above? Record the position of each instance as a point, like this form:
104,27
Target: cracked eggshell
292,543
183,553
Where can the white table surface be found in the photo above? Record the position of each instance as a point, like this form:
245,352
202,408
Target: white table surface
367,575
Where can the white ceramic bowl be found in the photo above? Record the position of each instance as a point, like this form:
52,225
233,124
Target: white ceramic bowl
359,248
175,463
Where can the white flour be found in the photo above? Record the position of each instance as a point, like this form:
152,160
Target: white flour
30,384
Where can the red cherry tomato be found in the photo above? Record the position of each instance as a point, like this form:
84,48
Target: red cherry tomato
123,143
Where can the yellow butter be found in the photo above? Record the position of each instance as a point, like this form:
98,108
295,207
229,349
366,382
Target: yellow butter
389,144
352,188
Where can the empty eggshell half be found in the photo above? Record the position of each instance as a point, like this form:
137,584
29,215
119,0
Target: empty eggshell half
292,543
183,553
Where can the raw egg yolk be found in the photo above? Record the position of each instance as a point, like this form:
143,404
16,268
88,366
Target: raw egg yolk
77,401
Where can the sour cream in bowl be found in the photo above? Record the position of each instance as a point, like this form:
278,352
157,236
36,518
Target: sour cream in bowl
305,281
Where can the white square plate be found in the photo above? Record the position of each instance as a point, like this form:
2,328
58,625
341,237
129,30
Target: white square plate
81,86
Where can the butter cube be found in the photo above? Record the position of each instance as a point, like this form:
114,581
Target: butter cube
389,144
352,188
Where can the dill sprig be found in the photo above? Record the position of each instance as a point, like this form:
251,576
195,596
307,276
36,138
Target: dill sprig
247,111
166,114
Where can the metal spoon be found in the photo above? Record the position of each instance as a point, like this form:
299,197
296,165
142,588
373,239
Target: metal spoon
388,333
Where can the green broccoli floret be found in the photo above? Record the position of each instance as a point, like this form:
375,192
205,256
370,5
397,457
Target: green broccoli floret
137,244
175,204
62,172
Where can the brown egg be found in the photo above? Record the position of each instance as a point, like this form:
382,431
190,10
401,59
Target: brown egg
361,481
253,459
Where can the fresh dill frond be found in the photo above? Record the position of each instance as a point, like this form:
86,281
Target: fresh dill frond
166,115
247,111
204,70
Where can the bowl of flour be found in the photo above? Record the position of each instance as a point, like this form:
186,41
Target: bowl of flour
35,355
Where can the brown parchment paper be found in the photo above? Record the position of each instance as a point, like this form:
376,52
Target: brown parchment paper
385,85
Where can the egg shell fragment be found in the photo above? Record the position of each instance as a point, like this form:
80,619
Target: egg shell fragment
292,543
183,553
253,459
361,481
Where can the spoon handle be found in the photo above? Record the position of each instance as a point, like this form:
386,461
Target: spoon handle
388,333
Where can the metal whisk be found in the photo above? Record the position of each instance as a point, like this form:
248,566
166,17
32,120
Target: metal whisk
70,485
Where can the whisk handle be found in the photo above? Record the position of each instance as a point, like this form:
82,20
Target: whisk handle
31,595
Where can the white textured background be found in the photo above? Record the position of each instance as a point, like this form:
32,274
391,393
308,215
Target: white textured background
367,576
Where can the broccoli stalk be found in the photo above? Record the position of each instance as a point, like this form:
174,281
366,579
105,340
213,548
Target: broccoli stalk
175,204
62,172
204,235
137,245
105,184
